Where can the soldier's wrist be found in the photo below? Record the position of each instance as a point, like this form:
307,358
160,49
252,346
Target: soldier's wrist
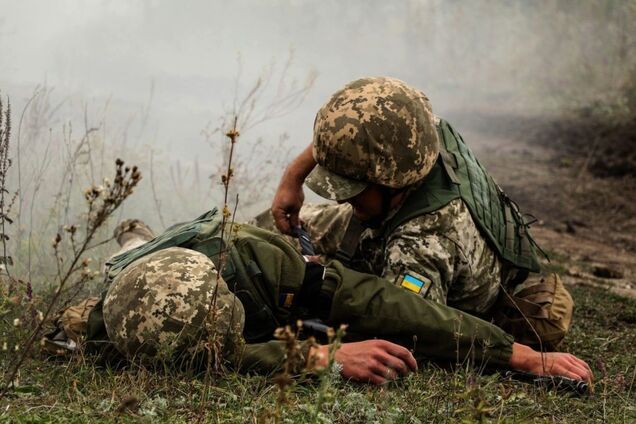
522,357
300,167
318,357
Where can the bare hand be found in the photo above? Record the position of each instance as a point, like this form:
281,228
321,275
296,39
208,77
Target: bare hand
370,361
561,364
289,196
286,206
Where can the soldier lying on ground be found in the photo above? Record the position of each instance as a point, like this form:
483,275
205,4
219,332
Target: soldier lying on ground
166,298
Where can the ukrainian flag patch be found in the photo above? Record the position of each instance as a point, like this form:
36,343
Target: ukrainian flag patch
416,283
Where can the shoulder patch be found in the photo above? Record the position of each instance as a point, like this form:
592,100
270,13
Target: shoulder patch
416,283
286,300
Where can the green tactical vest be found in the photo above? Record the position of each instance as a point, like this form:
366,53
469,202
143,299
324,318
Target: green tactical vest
459,175
258,267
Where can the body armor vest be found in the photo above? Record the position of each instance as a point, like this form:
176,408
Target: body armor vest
457,174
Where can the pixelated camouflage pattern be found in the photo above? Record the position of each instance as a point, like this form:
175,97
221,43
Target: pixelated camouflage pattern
326,224
444,246
162,303
377,130
333,186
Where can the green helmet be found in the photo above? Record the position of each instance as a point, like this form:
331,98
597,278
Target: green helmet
374,130
164,302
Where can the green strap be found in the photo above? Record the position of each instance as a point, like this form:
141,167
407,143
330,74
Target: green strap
449,160
510,228
177,236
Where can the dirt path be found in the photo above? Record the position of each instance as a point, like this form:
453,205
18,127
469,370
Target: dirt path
588,262
587,225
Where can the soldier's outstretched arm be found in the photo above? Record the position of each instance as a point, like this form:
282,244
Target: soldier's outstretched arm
526,359
373,307
369,361
377,361
289,195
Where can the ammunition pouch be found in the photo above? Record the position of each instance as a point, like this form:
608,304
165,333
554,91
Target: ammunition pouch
243,279
536,314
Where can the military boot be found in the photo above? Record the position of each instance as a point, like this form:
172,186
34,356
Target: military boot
131,230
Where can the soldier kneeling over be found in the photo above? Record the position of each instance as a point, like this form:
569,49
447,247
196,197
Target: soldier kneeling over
166,298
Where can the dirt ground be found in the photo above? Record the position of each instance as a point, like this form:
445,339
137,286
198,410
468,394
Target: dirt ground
586,217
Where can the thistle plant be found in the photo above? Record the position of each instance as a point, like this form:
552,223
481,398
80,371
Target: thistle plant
214,343
333,369
102,201
7,199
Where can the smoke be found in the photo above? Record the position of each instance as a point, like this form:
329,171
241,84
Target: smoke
463,54
152,75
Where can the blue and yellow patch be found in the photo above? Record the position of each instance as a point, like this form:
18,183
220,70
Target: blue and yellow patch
416,283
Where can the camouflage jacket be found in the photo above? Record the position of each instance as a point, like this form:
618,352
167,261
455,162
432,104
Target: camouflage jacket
444,249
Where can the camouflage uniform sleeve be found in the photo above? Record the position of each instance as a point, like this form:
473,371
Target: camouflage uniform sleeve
424,246
326,225
446,248
375,308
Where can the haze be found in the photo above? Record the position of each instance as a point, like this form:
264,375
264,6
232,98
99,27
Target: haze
152,75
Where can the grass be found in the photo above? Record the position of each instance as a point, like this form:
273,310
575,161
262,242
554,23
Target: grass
604,334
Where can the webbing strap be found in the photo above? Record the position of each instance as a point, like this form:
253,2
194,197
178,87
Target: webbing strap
510,228
538,288
350,240
527,308
450,164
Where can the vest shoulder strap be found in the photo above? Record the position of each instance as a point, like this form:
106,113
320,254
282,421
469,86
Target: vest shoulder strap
457,174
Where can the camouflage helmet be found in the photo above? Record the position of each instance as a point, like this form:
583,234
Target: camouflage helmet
162,302
374,130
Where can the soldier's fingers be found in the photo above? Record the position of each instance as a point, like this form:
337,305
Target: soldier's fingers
574,365
281,220
383,371
398,365
581,372
375,379
394,363
567,372
369,371
293,219
403,353
564,366
582,366
585,365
